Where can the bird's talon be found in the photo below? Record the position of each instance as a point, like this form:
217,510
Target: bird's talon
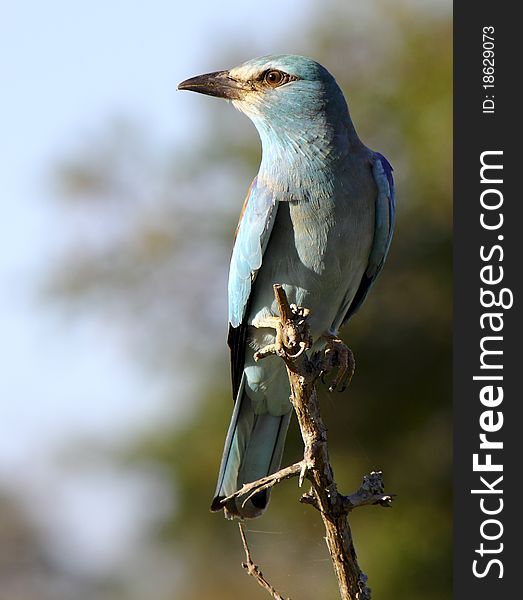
303,346
338,355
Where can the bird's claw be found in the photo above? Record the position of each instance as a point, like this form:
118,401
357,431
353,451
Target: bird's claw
291,340
340,356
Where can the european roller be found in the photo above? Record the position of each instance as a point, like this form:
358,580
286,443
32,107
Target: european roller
318,219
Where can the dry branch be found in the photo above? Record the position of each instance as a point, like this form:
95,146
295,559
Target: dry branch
249,489
292,340
253,569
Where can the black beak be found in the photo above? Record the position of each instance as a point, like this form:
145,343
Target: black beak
218,84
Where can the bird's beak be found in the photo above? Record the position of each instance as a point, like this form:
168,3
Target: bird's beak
219,84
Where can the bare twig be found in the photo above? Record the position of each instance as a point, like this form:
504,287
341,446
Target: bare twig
370,492
249,489
253,569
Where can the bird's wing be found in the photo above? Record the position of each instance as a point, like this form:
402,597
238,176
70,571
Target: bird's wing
385,209
252,235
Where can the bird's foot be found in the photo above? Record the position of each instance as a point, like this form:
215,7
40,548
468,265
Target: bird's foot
292,335
269,322
337,355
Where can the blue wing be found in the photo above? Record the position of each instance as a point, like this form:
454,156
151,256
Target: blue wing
252,235
385,210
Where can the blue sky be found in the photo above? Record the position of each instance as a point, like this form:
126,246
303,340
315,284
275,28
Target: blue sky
66,69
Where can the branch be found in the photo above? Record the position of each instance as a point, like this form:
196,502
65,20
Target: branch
370,492
266,482
292,339
253,569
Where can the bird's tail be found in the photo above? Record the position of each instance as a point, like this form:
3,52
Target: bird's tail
253,449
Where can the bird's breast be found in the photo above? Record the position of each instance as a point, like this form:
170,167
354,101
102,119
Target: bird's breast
318,250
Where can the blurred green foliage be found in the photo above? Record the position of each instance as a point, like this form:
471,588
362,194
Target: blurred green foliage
160,223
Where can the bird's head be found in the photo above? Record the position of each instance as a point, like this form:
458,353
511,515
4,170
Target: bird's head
299,112
286,90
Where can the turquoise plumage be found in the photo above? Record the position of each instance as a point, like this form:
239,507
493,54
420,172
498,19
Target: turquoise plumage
318,219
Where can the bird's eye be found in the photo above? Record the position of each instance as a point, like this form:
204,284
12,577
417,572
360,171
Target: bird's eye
275,78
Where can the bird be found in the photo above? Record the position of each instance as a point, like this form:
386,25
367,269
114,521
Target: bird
318,219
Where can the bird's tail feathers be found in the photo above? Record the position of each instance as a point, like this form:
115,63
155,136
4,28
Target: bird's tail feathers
253,449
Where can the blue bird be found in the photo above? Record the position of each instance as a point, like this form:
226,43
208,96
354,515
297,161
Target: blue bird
318,219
